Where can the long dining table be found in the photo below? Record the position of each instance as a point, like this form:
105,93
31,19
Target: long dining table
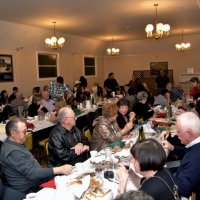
41,129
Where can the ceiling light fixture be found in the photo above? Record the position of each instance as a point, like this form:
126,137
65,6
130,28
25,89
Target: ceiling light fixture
160,28
182,46
53,42
113,51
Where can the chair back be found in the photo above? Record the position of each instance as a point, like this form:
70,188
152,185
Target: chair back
87,133
29,141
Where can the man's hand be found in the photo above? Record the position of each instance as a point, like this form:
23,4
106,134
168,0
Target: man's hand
167,145
79,148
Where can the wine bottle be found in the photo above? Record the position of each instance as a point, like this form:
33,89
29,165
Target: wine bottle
141,135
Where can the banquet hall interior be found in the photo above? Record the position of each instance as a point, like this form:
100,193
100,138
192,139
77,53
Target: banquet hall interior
43,41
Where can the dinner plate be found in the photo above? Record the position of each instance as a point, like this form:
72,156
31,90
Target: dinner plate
97,194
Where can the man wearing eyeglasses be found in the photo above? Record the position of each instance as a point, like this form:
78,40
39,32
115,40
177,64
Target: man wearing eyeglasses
20,169
67,144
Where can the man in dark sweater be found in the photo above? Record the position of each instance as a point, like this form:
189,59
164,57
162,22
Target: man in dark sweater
187,176
20,170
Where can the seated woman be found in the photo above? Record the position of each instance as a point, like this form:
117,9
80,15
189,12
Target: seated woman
106,130
194,86
123,115
5,110
36,106
141,109
149,159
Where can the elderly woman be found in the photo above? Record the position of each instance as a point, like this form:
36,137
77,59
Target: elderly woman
106,130
36,106
141,109
123,115
149,159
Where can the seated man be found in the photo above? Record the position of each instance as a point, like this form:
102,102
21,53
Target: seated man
18,105
20,169
187,177
67,144
48,103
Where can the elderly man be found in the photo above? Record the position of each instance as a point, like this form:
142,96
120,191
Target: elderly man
187,176
22,172
48,103
58,87
67,144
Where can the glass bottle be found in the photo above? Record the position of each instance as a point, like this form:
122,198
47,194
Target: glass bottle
141,135
170,111
109,165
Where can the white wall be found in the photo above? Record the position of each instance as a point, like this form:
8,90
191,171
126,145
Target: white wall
134,55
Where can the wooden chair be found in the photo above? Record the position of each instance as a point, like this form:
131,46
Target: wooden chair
43,144
29,141
87,133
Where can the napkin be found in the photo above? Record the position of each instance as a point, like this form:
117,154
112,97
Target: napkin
78,190
124,153
147,128
46,194
97,159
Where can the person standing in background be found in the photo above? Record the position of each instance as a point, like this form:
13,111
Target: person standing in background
110,84
161,80
58,87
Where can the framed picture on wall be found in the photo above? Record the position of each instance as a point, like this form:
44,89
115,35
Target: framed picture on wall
155,67
6,68
47,65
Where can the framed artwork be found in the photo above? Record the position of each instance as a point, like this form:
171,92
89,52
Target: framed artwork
6,68
155,67
47,65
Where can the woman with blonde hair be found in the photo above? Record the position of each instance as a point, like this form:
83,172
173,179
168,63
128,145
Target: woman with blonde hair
106,130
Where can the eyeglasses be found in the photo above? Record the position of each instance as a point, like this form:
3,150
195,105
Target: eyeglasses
21,131
73,117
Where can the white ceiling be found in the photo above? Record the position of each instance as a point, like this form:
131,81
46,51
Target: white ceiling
103,19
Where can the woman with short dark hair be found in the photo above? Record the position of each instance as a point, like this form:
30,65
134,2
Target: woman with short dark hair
106,130
124,115
195,86
149,160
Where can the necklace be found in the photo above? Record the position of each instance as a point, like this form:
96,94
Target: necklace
175,187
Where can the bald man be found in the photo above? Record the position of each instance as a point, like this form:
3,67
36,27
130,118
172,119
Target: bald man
67,144
187,177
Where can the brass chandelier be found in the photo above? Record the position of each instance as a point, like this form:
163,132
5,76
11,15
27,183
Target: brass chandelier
113,51
160,30
55,42
182,46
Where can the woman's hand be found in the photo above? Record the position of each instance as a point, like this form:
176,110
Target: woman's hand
127,128
131,116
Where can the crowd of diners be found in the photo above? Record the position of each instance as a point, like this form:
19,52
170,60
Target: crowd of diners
67,145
